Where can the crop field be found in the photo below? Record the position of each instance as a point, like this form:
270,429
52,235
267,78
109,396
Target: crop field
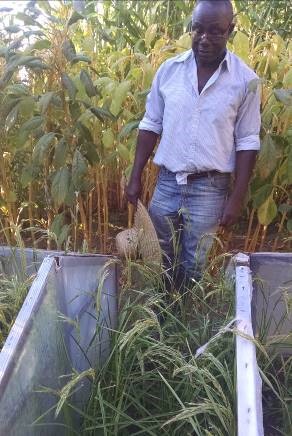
171,369
72,91
74,77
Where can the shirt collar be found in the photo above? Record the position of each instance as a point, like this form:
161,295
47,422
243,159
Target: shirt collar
187,55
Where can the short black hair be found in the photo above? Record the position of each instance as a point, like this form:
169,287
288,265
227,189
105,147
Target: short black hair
226,3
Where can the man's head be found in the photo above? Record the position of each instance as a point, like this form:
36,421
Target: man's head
211,27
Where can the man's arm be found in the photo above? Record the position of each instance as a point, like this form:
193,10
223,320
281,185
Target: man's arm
145,146
150,129
247,144
244,164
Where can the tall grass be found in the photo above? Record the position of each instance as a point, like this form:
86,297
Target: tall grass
14,281
13,290
152,383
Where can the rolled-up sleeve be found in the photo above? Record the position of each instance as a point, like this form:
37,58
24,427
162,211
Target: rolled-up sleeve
153,117
248,122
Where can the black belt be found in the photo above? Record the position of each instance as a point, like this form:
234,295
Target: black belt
202,174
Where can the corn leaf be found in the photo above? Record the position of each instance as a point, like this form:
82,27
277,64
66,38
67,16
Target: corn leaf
80,58
45,101
69,86
43,44
28,175
284,96
241,45
61,150
88,83
57,223
90,152
108,139
267,211
68,49
79,169
41,147
60,186
123,152
12,118
37,65
128,128
26,106
261,195
17,89
33,123
102,113
119,96
268,157
150,34
74,18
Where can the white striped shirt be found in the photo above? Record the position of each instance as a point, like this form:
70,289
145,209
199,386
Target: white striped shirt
201,132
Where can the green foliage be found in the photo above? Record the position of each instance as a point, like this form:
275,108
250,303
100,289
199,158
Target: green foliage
152,382
79,170
68,84
88,83
13,291
61,185
72,94
268,16
42,147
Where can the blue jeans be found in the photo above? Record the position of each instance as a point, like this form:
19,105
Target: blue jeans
186,218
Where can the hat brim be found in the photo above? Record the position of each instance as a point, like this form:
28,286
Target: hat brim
148,243
141,239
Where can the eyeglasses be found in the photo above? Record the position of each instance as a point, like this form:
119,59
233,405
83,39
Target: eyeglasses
212,34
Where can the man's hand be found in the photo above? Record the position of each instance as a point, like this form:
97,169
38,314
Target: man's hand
145,145
231,211
244,164
133,190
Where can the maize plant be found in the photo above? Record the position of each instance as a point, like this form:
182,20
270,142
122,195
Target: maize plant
73,83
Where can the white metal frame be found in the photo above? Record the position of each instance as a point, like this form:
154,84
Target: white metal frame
11,345
249,385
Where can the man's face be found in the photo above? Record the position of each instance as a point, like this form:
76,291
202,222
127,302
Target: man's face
211,27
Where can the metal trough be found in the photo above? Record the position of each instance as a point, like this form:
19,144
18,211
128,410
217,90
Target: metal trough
64,324
263,292
66,319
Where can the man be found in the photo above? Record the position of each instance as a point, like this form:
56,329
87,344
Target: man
208,122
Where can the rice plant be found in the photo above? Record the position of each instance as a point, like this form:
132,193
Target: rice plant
13,290
152,382
155,381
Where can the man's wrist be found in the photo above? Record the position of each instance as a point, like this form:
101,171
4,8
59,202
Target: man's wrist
238,195
136,176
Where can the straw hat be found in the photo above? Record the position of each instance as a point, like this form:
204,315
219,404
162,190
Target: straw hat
141,239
